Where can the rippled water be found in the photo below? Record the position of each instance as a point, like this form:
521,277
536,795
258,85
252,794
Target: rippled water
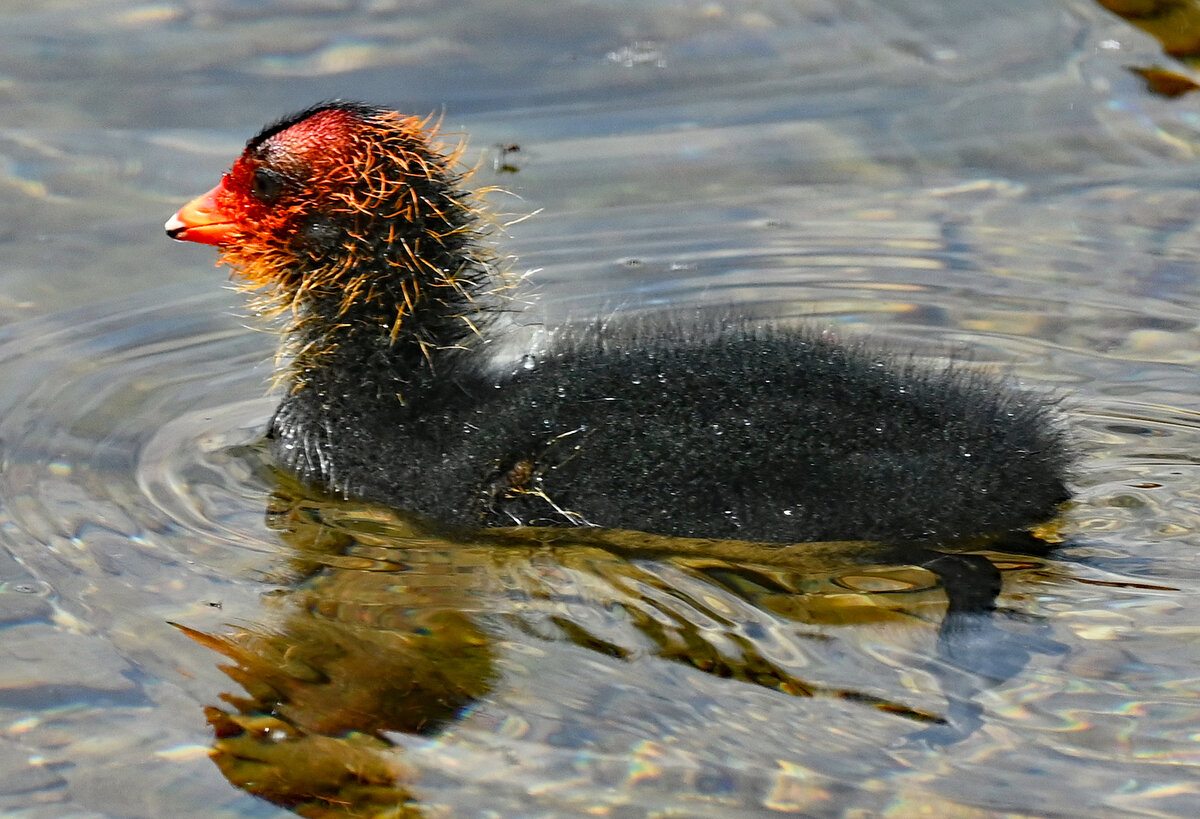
986,181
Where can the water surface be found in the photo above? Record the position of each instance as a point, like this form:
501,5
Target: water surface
985,181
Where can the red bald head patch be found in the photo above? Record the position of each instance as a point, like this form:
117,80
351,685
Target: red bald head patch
306,142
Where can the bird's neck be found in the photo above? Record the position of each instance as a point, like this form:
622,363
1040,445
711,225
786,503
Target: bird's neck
398,337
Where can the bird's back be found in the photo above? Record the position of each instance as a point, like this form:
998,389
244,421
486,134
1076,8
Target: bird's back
736,432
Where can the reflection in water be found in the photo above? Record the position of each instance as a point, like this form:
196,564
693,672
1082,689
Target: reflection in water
391,627
1175,24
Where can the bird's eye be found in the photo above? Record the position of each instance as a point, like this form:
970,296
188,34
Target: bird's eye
267,185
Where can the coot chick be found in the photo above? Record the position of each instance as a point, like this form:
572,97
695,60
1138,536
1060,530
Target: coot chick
352,225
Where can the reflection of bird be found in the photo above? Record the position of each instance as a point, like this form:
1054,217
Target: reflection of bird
353,226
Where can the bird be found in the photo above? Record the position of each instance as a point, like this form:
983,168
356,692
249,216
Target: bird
355,231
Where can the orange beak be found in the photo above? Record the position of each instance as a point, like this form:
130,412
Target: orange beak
201,220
